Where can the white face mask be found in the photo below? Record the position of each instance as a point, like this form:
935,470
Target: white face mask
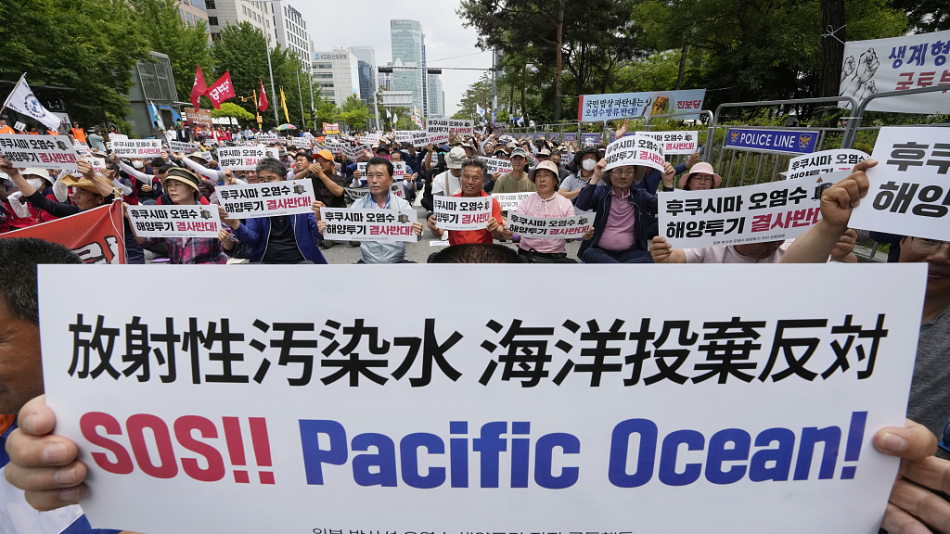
588,164
37,183
138,164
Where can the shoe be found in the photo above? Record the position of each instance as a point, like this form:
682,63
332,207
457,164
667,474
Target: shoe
354,244
327,244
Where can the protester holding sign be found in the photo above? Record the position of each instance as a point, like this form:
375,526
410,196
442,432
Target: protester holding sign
625,216
701,177
379,180
517,180
449,183
473,181
546,202
283,239
182,186
327,184
583,170
929,394
90,191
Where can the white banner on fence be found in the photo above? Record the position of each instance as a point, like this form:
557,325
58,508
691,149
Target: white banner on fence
600,416
896,64
175,221
462,213
824,162
251,201
509,201
679,142
244,158
910,186
741,215
399,170
348,224
46,151
420,139
496,165
438,130
184,148
635,150
137,148
550,228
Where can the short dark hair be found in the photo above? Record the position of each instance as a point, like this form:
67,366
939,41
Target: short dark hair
18,260
376,160
272,165
475,162
475,253
165,168
156,163
303,152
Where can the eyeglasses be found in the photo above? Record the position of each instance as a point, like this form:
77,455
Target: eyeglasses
926,246
702,178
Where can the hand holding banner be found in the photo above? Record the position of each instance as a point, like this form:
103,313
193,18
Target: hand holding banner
462,213
635,150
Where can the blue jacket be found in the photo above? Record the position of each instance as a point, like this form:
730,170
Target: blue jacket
255,234
598,198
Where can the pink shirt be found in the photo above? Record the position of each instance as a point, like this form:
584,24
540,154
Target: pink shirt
556,206
618,234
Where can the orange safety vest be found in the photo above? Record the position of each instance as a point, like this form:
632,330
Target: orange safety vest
7,130
79,135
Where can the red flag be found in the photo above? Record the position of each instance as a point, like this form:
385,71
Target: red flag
198,89
262,103
96,235
221,90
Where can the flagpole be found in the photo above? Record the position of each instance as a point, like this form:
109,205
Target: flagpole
9,96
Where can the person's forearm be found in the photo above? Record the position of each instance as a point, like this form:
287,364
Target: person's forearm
815,245
103,185
570,195
140,176
335,188
22,184
677,256
199,168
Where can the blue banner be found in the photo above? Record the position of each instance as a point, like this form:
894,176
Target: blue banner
570,138
789,141
590,139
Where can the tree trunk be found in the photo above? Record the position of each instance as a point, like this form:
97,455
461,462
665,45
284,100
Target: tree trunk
832,51
679,77
559,63
511,100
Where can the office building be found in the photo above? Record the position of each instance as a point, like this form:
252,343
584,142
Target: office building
192,11
291,30
407,42
223,13
337,73
366,62
435,94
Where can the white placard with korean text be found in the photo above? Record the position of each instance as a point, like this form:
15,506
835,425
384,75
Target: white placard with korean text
244,158
420,139
438,130
45,151
266,138
368,224
137,148
175,221
509,201
403,136
777,210
635,150
462,213
184,148
273,199
550,227
676,142
824,162
496,165
301,142
910,186
604,416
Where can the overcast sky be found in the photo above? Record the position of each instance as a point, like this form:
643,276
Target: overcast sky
366,22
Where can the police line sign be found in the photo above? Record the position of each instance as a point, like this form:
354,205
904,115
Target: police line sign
335,409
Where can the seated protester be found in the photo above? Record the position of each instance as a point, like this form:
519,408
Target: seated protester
147,186
475,253
327,185
624,216
562,173
473,180
90,191
544,203
583,167
415,158
449,182
499,152
762,252
652,178
929,395
380,180
283,239
411,181
517,180
15,212
701,177
352,170
181,186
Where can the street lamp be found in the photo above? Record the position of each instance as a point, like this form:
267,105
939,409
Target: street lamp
270,69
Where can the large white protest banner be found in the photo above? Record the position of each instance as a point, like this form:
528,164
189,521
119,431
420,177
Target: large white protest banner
137,148
602,416
898,64
399,170
824,162
550,227
777,210
462,213
420,139
509,201
910,186
175,221
678,142
635,150
496,165
45,151
368,225
244,158
184,148
438,130
250,201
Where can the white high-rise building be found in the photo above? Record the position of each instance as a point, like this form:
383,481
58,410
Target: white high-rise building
436,100
337,73
223,13
292,30
366,60
407,43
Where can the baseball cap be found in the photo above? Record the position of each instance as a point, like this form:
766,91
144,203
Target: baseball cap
519,152
455,157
